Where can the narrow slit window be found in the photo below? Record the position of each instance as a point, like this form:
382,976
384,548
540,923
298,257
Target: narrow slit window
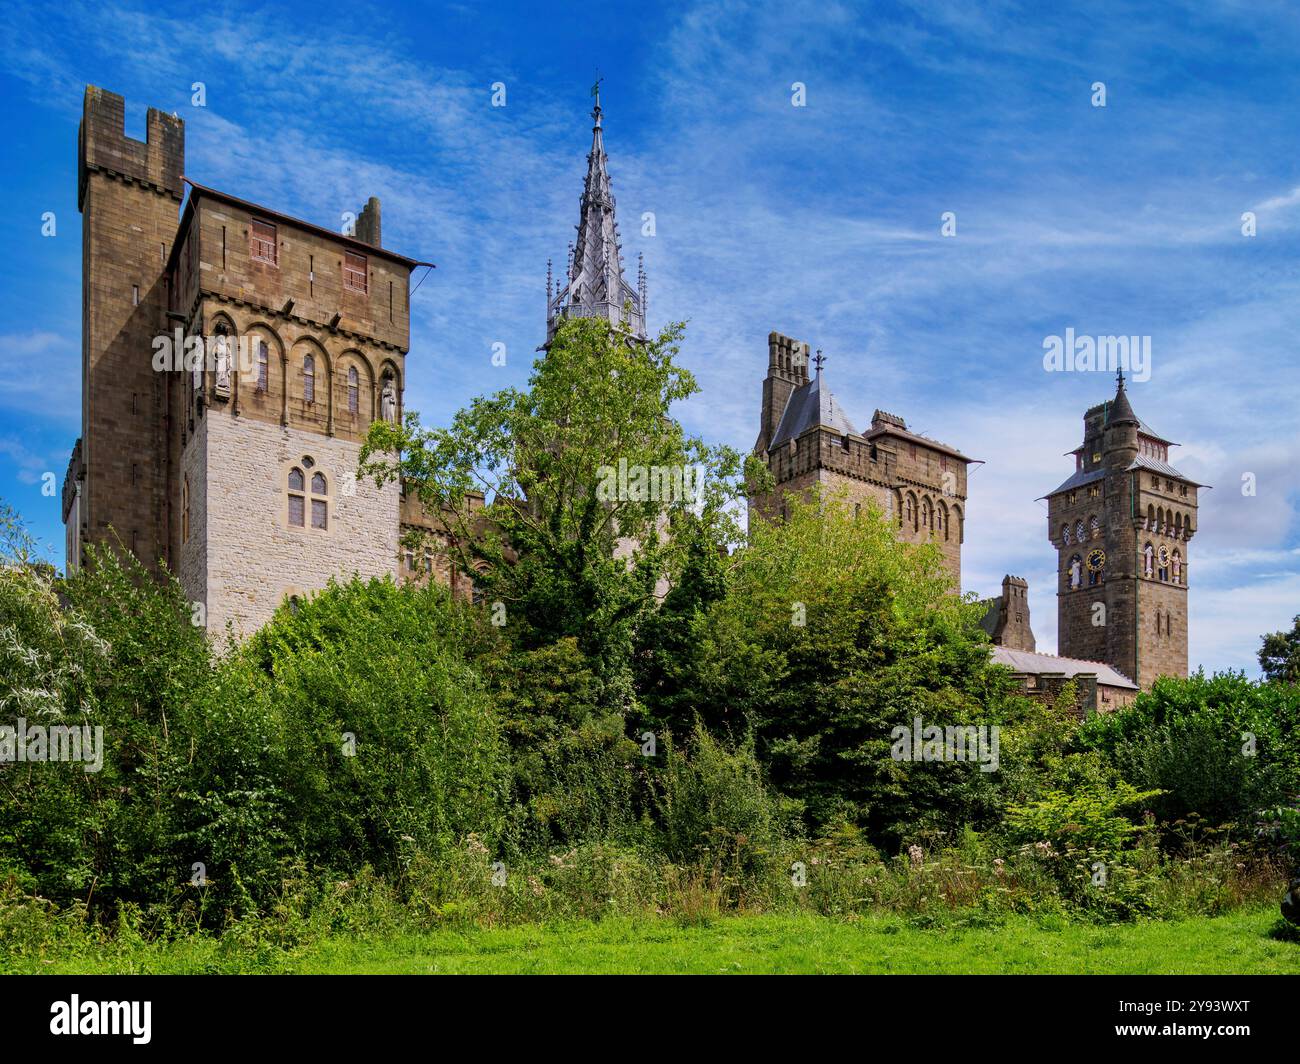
263,366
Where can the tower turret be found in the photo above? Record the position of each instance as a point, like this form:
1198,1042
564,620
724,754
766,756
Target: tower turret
1122,525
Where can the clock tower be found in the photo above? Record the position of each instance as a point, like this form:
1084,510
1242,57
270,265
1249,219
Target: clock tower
1122,525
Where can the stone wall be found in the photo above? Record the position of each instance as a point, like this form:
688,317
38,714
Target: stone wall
253,558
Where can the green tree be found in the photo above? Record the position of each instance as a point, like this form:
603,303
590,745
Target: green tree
831,633
1279,656
559,543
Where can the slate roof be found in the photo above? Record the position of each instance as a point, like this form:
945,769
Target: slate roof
1145,461
1027,662
810,405
1078,480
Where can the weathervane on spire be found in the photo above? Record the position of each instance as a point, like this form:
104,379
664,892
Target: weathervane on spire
1119,373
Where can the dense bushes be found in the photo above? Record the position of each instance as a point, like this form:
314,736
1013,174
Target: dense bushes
378,748
389,742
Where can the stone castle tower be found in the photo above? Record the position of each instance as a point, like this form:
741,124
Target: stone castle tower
129,194
1122,525
233,359
806,440
1007,619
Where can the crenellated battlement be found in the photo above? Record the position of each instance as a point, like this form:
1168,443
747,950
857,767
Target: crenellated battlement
157,162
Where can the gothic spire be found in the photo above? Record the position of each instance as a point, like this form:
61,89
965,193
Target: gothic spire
595,287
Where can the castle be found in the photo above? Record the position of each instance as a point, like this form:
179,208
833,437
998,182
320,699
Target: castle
234,357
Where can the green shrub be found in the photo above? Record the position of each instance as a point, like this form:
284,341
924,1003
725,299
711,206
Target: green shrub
389,742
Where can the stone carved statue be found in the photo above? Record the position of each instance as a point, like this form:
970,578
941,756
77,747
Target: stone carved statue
223,363
1076,573
388,400
1148,560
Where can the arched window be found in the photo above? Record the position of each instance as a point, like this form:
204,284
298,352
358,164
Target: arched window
943,523
1178,526
927,515
961,525
305,497
1079,533
1151,518
297,502
911,511
1065,535
1160,520
319,502
354,391
1094,526
263,366
185,509
309,379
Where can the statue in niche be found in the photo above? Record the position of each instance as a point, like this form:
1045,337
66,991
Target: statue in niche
388,400
1148,556
222,359
1178,568
1076,572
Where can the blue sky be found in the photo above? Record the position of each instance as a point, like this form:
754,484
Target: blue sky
821,221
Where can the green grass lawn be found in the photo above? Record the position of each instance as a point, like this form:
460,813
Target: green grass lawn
1238,943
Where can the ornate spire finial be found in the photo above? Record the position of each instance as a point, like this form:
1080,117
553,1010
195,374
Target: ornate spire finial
819,360
595,92
1119,373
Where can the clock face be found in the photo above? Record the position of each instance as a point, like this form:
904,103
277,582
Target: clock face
1097,560
1164,554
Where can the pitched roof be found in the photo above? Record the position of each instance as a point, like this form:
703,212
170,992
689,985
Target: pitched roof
1145,461
1032,663
1077,480
810,405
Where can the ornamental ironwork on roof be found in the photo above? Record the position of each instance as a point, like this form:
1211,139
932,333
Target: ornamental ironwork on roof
593,284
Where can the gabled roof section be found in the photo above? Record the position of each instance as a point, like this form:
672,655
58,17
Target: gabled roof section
1035,664
810,405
